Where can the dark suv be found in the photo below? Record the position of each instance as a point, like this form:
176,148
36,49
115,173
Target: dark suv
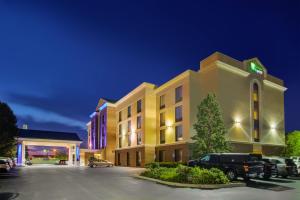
232,164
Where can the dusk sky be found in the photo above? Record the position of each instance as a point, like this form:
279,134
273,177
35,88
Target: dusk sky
57,58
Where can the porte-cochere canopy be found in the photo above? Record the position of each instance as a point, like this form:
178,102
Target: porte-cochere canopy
49,138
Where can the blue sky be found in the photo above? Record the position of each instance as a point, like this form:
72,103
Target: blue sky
57,58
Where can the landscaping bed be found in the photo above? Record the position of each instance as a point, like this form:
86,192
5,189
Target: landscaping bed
191,177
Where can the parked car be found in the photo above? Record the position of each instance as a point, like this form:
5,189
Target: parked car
100,163
297,162
28,162
232,164
9,161
4,166
62,162
285,166
291,167
270,168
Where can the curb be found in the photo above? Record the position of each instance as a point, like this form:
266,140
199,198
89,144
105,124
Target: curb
187,185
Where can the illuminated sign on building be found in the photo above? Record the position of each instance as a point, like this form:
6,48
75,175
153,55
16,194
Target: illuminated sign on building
256,68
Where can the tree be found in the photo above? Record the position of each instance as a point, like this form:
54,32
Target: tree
293,144
8,130
210,129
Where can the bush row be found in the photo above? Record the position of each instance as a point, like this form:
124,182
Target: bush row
164,164
184,174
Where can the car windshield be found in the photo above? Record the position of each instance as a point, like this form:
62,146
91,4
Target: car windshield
205,158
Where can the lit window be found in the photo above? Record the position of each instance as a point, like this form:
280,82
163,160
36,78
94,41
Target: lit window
129,126
139,138
255,103
178,94
178,113
139,122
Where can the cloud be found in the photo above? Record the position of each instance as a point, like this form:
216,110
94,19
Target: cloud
44,116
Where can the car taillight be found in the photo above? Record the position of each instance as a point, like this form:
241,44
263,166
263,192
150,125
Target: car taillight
246,168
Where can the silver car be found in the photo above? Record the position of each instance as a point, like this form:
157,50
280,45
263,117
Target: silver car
297,162
100,163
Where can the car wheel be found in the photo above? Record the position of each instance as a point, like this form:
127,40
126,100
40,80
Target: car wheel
231,175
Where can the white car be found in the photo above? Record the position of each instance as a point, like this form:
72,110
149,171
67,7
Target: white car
296,160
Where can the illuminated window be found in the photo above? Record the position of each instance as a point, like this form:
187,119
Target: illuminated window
139,106
129,126
162,102
178,94
139,122
139,139
178,133
162,119
255,117
178,113
162,136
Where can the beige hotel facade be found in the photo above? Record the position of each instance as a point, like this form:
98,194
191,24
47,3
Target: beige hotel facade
155,123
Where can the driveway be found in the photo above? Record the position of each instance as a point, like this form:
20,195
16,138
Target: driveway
70,183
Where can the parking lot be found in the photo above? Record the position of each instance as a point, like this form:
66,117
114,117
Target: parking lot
71,183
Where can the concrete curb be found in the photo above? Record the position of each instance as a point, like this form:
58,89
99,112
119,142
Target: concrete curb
186,185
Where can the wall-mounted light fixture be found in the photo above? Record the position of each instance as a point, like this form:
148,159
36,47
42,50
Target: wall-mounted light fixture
273,126
169,124
237,122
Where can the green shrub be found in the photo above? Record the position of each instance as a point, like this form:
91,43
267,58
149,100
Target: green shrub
169,174
152,165
184,174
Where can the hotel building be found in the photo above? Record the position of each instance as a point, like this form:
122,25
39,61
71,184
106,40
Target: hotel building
156,122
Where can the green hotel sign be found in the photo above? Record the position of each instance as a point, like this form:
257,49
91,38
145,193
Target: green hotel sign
254,67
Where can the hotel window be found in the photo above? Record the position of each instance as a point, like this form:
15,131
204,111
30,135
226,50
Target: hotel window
139,106
139,139
255,95
178,113
120,129
139,122
162,102
178,94
162,120
129,139
178,155
129,126
120,116
161,156
120,141
129,111
178,133
162,136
